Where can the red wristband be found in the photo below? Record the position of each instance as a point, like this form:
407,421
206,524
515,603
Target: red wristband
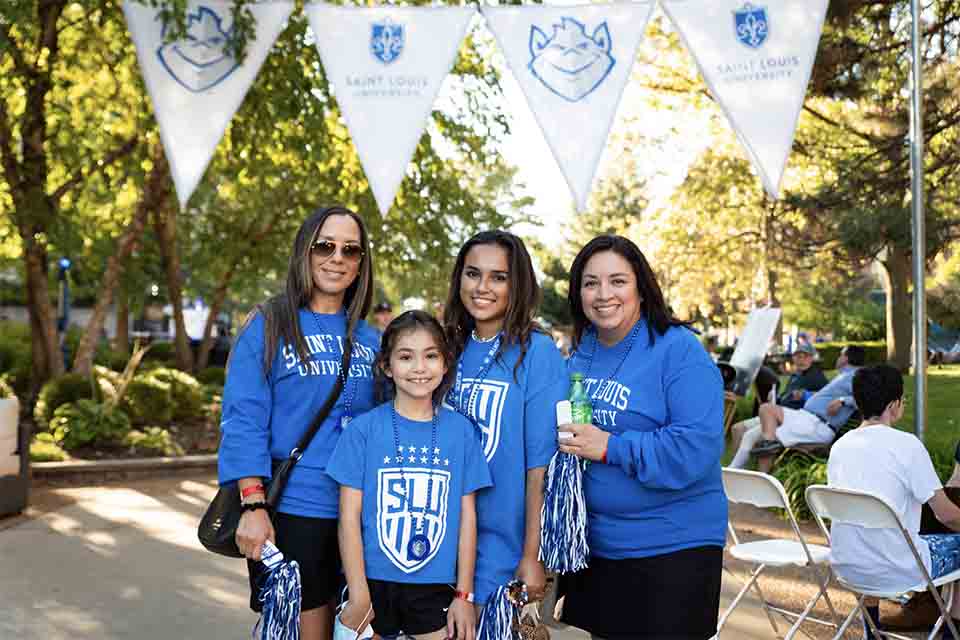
463,595
603,458
249,491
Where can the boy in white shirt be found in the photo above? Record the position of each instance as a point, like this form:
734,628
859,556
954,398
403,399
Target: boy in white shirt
893,465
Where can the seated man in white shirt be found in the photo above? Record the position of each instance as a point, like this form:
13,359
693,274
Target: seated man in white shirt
895,466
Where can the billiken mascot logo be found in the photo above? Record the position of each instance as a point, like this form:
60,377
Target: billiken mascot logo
411,525
200,60
569,62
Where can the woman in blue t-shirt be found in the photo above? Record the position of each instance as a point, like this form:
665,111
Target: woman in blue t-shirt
282,368
657,513
408,471
508,380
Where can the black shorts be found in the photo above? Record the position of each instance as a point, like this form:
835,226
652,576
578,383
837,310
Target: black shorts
674,596
312,542
414,609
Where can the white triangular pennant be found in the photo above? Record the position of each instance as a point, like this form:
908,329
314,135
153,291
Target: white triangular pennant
386,65
756,59
572,64
194,85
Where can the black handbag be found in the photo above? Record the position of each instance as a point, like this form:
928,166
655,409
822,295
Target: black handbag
217,530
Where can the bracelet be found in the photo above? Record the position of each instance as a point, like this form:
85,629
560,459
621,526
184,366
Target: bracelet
464,595
603,458
254,506
247,491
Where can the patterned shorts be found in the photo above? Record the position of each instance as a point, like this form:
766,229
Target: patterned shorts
944,553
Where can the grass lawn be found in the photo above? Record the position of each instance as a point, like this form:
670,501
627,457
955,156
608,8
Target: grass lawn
943,414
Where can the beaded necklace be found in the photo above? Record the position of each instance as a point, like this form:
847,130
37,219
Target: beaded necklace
623,358
344,375
418,547
481,375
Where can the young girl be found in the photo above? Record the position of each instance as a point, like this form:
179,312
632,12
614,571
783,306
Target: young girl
509,379
408,470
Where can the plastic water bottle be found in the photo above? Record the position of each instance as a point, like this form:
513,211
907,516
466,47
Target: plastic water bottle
580,405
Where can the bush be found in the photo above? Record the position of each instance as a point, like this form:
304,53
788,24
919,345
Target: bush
107,381
163,351
87,422
876,352
69,387
186,392
45,449
148,400
16,359
6,391
797,470
152,441
213,375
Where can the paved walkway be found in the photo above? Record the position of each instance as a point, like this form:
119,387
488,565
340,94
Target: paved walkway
122,561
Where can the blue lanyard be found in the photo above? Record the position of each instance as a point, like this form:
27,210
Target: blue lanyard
468,411
345,375
418,547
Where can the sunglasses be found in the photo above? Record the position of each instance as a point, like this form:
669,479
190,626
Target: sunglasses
326,248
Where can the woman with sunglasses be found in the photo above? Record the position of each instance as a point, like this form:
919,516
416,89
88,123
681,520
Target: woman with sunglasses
656,510
509,378
282,368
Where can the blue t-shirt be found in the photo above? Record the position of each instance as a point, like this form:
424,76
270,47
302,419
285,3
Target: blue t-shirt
840,387
265,415
387,469
517,417
661,489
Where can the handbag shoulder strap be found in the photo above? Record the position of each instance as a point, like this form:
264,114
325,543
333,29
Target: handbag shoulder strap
328,404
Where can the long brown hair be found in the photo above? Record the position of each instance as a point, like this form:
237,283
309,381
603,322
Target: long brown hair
653,308
525,294
281,312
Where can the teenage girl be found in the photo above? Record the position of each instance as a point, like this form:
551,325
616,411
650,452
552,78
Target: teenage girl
408,470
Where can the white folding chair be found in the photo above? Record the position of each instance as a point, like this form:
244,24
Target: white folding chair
870,511
765,491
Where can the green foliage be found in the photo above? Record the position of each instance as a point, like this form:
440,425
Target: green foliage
875,351
148,400
69,387
212,376
107,381
15,356
163,351
88,423
186,392
44,448
797,470
152,441
6,391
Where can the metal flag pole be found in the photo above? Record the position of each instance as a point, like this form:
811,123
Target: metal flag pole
919,237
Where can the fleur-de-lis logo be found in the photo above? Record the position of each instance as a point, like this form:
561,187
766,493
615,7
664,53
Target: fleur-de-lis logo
386,40
751,25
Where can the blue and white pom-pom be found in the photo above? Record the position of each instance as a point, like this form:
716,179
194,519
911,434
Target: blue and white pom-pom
501,613
279,597
563,531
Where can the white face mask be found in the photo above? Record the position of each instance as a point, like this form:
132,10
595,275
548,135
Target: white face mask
343,632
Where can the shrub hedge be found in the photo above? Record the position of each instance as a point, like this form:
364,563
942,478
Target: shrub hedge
876,352
88,422
152,441
148,400
212,375
69,387
185,391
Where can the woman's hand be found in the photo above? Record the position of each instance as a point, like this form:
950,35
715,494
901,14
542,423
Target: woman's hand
357,614
461,620
587,441
530,572
253,530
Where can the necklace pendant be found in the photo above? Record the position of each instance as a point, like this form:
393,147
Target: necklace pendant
419,547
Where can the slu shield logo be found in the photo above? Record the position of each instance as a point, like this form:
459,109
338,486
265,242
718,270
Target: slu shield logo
200,60
751,25
386,40
569,62
491,398
401,503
